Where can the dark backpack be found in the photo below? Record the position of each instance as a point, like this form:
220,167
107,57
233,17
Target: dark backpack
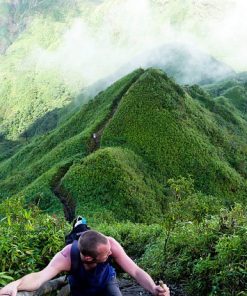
79,226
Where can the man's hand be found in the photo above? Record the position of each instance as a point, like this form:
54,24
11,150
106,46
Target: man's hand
161,291
9,290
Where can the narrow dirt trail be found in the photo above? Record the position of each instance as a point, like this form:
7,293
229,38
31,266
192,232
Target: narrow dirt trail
69,204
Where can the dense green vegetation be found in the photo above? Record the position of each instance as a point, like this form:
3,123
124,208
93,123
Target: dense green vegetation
113,183
32,92
166,176
23,233
208,257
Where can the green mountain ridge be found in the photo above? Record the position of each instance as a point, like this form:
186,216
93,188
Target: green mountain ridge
157,120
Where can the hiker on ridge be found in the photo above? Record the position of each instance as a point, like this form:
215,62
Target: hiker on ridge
87,261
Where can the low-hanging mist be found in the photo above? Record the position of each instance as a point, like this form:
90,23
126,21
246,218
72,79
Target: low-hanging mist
120,34
75,49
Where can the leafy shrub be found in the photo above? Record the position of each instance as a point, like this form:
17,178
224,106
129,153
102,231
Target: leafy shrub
29,238
208,258
4,279
187,204
135,238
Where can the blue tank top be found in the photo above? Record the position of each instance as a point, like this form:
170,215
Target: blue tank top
87,282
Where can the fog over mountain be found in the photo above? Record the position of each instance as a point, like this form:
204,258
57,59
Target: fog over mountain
54,50
107,35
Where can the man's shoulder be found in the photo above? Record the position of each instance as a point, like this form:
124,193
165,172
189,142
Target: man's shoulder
62,259
112,241
65,252
116,248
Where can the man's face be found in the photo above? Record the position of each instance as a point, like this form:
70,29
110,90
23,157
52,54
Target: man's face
103,250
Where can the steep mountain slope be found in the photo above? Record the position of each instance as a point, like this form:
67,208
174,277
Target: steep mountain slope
167,134
114,184
43,157
167,128
28,93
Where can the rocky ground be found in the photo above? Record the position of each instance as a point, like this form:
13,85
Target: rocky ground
130,288
59,287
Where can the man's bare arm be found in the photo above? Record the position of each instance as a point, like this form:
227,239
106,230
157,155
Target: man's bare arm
129,266
33,281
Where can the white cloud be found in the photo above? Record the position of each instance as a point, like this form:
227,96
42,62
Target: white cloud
130,27
228,35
